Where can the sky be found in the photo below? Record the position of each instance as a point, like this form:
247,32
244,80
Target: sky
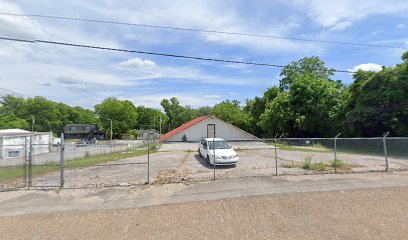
84,77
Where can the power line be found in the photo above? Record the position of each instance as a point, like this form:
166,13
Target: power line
10,91
201,30
155,53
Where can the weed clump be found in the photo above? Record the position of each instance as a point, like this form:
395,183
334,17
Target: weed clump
336,163
320,166
307,162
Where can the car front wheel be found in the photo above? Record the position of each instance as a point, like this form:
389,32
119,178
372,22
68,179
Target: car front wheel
208,160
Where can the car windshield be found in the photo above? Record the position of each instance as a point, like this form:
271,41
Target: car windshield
218,145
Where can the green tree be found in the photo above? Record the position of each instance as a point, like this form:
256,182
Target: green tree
307,102
40,114
150,118
123,115
231,112
177,114
377,102
308,66
256,108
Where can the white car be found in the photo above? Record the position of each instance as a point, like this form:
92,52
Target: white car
224,154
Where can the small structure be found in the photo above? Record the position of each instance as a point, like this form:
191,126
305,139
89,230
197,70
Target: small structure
82,131
144,133
206,127
14,142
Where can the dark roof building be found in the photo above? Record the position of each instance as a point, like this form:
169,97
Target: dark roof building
82,131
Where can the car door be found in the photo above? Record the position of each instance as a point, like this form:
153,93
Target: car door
203,148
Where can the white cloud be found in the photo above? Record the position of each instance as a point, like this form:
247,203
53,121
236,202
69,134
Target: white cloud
17,27
401,25
367,67
341,26
138,63
330,14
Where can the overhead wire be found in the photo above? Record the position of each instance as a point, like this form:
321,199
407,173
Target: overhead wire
14,92
201,30
155,53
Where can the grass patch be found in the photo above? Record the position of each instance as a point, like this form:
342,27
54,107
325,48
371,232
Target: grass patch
282,146
307,162
336,163
320,166
10,173
291,165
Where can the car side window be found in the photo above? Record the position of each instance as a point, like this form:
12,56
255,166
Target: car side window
204,143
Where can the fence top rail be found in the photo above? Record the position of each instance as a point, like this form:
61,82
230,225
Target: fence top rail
360,138
280,139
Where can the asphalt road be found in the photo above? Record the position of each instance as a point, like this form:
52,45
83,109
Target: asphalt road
374,213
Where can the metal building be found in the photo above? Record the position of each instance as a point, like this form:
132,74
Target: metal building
13,142
206,126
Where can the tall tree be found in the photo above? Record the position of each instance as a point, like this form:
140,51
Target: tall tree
377,102
306,106
149,118
40,114
231,112
123,115
176,113
256,108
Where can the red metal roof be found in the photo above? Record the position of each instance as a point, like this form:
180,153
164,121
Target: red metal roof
182,127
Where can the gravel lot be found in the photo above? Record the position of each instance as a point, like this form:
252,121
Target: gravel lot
180,162
375,213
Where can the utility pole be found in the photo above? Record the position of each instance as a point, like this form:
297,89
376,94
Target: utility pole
111,131
160,126
32,123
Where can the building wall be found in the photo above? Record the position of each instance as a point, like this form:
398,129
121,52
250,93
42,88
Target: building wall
41,144
222,130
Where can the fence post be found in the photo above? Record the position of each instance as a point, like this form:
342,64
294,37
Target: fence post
276,159
385,150
335,152
282,135
148,157
213,155
30,163
62,150
25,161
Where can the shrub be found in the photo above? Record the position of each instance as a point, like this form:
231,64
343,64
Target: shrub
184,138
306,163
336,163
134,133
320,166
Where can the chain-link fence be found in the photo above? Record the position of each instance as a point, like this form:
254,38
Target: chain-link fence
73,165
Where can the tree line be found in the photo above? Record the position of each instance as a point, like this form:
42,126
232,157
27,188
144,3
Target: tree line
307,103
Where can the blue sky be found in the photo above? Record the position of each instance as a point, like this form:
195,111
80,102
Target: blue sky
85,77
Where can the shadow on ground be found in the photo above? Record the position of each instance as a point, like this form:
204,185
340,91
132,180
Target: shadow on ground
205,163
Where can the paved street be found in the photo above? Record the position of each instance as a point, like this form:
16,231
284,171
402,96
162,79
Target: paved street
372,213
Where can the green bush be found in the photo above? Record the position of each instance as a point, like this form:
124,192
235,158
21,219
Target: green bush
306,163
320,166
134,133
336,163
